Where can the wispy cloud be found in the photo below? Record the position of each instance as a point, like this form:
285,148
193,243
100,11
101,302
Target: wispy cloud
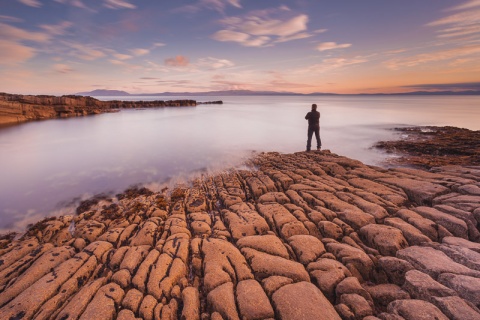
435,56
121,56
140,51
84,51
332,45
465,22
57,29
178,61
118,4
217,5
31,3
263,28
10,19
466,5
62,68
16,34
446,86
13,50
214,63
75,3
335,63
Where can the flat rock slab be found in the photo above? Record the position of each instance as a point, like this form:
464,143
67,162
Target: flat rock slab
303,301
419,192
433,262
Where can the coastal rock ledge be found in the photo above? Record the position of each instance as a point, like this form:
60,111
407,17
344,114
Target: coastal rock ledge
309,235
16,108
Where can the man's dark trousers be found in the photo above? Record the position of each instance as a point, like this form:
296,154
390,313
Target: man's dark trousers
311,130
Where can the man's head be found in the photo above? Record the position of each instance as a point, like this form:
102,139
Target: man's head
314,107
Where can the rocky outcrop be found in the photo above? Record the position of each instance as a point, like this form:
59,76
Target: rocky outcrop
16,108
429,147
299,236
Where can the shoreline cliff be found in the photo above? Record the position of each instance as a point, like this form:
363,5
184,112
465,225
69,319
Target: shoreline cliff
309,235
16,108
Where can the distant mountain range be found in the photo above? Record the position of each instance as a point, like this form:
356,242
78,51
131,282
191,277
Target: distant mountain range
119,93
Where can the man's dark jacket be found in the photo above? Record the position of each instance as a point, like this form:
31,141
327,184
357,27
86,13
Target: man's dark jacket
313,118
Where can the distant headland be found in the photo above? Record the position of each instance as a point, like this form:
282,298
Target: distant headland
119,93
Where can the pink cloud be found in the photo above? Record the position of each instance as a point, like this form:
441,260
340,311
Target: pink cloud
12,53
178,61
31,3
332,45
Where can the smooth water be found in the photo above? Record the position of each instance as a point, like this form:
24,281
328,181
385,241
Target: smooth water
47,166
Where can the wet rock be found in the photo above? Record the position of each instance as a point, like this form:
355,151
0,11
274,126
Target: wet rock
302,301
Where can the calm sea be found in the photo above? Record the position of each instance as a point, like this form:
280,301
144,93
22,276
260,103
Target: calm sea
46,167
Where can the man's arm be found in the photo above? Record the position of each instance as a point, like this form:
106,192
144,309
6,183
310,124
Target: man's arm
307,116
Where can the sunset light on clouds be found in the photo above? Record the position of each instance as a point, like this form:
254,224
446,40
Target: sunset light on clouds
305,46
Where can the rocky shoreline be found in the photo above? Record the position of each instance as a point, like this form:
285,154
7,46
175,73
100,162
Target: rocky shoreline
310,235
16,108
428,147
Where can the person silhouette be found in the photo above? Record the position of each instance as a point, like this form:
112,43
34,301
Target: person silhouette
313,118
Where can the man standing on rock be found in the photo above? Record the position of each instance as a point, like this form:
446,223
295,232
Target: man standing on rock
313,118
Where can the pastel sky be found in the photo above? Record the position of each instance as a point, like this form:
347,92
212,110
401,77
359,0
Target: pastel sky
147,46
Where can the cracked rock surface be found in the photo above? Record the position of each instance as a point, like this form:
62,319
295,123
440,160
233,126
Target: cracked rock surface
299,236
